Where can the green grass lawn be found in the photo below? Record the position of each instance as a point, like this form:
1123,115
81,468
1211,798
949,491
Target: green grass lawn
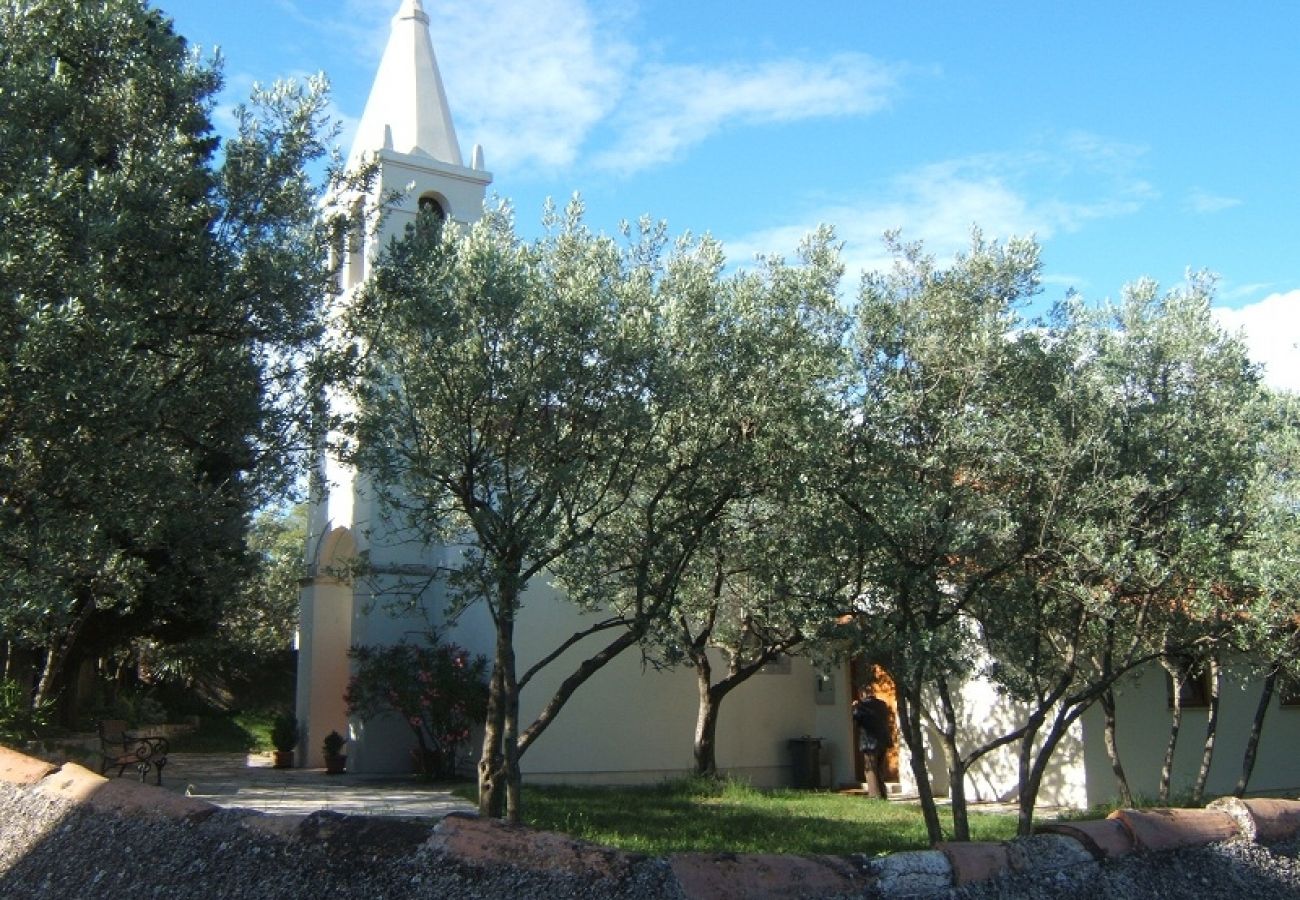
733,817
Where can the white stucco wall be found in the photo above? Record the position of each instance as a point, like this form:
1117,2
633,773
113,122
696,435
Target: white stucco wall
629,723
323,640
1143,718
984,715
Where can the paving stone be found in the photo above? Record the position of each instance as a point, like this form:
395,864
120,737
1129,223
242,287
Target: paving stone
1103,838
18,768
1170,829
917,873
731,876
975,860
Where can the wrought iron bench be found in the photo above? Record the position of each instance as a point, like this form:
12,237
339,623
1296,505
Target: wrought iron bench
125,749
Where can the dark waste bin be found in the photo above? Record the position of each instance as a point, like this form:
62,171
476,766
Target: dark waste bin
806,756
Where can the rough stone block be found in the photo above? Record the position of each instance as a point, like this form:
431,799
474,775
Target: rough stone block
917,873
73,782
18,768
129,797
1103,838
284,827
1169,829
1262,819
374,836
479,842
975,861
1275,819
1048,853
728,876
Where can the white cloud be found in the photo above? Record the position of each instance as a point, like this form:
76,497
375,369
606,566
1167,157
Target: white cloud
1229,292
1041,191
530,79
540,83
1272,332
1200,201
674,106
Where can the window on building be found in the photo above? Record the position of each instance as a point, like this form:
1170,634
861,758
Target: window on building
432,205
1195,692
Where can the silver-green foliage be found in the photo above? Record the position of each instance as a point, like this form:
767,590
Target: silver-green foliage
501,390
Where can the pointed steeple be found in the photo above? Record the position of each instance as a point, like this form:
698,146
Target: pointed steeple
407,110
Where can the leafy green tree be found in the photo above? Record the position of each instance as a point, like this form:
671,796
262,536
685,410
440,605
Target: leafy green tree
1052,507
501,407
258,620
157,309
715,531
930,477
1185,405
1151,435
1267,570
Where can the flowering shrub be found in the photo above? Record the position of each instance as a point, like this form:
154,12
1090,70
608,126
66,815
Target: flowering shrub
438,690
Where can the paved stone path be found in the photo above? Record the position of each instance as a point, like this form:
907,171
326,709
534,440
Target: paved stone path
250,782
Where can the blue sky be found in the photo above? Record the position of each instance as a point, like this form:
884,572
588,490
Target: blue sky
1132,139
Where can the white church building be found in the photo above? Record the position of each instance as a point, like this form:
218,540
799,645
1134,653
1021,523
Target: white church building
630,723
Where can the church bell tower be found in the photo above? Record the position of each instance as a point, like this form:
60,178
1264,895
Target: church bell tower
406,131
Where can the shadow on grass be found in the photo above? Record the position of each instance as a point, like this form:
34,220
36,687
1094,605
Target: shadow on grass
681,817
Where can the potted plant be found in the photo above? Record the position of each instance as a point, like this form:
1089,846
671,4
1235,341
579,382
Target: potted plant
284,736
335,761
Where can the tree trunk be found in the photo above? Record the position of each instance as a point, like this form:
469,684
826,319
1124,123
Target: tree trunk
1256,728
510,728
57,655
706,720
1112,748
909,724
1178,677
491,790
1034,783
956,766
1024,774
45,686
1211,731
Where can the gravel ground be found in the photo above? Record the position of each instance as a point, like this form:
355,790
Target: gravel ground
51,848
1230,871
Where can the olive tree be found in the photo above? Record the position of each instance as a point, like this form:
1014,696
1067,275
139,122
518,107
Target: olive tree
501,407
930,477
717,535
